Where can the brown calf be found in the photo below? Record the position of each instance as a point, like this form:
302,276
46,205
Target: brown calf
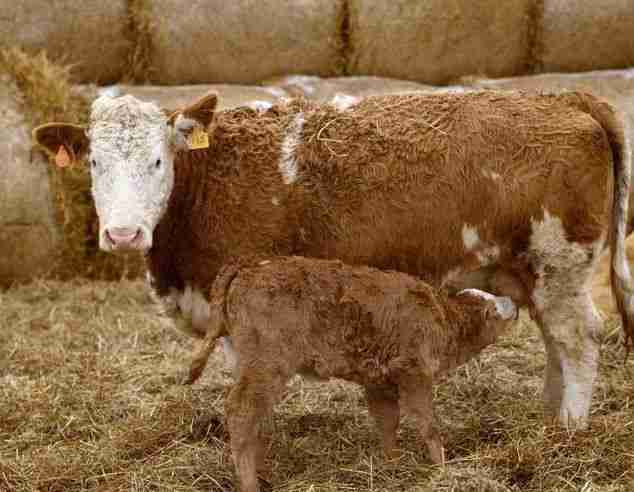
387,331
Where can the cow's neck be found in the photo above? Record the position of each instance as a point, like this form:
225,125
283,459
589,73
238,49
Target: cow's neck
228,200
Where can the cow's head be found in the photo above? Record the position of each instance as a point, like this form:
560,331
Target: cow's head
130,147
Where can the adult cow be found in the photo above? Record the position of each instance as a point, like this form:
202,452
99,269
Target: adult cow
523,189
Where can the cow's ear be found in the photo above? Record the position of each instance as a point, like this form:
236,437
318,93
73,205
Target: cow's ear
67,143
190,124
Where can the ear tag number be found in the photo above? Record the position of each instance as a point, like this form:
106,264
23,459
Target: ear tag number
198,139
62,159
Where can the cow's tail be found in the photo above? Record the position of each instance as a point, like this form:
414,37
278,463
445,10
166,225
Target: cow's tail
620,276
217,325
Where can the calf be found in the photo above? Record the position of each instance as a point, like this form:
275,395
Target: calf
508,192
387,331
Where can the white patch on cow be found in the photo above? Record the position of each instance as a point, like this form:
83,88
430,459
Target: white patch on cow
341,101
306,83
619,260
491,174
470,237
504,306
231,357
288,158
488,256
568,319
552,250
259,105
275,201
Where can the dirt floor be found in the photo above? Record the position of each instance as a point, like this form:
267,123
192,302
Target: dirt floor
90,400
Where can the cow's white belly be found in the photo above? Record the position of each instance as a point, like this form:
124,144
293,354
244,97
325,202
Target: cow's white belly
190,312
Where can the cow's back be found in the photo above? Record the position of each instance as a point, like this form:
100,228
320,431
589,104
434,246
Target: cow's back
406,182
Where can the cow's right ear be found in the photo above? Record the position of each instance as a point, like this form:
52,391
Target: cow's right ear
67,143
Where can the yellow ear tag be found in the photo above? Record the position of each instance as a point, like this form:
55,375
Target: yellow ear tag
62,159
198,139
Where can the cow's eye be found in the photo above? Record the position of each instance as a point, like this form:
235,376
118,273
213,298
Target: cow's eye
157,164
93,163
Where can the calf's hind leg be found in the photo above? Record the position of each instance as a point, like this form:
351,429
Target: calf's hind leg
249,402
384,409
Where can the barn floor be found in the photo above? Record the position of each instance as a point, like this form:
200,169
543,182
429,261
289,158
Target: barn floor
90,400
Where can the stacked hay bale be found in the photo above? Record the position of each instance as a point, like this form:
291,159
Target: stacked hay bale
577,36
46,95
436,41
92,35
220,41
229,95
325,89
27,235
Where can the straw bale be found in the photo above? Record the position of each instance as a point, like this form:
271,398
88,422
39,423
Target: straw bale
46,95
229,95
237,42
91,34
26,252
324,89
576,36
27,233
436,41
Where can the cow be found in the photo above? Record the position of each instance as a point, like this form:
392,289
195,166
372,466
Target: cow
387,331
476,189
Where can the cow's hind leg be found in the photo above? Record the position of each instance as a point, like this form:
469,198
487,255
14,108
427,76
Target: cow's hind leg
568,320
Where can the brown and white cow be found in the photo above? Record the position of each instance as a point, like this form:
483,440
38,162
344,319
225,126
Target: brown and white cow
506,190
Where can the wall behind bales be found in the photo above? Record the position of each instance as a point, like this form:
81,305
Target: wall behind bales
585,35
435,41
92,35
242,41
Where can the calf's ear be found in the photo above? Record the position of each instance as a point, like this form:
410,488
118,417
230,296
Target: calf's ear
67,143
190,124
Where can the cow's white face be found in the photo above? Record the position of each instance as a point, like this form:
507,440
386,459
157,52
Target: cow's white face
131,162
130,147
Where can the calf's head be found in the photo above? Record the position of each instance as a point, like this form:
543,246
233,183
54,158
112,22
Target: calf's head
488,315
130,147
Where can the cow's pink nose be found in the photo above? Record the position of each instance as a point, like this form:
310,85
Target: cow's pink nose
123,237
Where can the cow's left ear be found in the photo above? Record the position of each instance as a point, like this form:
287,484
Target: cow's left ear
190,124
67,143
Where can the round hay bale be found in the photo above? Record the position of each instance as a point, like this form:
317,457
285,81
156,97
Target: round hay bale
324,89
576,36
92,35
436,41
239,42
28,236
229,96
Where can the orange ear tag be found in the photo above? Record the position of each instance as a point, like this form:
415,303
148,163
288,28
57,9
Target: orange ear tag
62,159
198,139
